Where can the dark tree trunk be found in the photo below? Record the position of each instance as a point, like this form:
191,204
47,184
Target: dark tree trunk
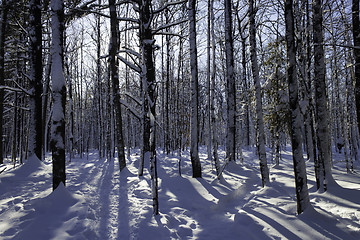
36,72
356,35
114,69
302,194
149,88
2,76
57,143
230,84
194,148
322,112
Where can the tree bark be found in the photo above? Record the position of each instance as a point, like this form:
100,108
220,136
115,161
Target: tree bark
3,22
356,35
302,194
212,91
322,112
194,147
114,69
36,72
57,143
208,81
230,84
259,112
149,90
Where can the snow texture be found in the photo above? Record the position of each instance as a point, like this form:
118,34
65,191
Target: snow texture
99,203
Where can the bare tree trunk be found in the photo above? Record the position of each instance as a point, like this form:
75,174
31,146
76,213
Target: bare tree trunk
259,112
246,90
208,80
167,90
114,69
70,109
3,22
322,112
194,147
302,193
98,78
36,71
230,84
212,91
14,133
149,88
356,35
57,142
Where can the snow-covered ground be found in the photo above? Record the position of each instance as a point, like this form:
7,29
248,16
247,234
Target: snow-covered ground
100,203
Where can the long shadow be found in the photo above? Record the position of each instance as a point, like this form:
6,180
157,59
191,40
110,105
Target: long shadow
149,230
326,225
103,194
123,214
351,195
280,228
179,206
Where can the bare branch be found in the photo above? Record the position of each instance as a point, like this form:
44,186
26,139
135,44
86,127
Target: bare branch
170,34
131,109
12,89
138,101
130,51
169,25
129,64
167,4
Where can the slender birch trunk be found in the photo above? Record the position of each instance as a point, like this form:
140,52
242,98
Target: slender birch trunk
322,112
98,78
194,147
230,84
212,91
208,81
259,112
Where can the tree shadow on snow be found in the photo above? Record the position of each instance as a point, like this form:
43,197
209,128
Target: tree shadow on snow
123,215
327,225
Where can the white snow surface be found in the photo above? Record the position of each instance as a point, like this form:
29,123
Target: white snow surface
98,202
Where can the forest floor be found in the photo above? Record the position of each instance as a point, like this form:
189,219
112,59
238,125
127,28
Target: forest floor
100,203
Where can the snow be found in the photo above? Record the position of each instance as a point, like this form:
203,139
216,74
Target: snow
99,203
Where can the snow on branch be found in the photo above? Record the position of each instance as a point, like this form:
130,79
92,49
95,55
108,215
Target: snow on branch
133,55
170,34
12,89
130,52
79,11
131,109
168,4
138,101
18,89
124,19
82,12
162,27
104,56
129,64
127,1
22,27
12,105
